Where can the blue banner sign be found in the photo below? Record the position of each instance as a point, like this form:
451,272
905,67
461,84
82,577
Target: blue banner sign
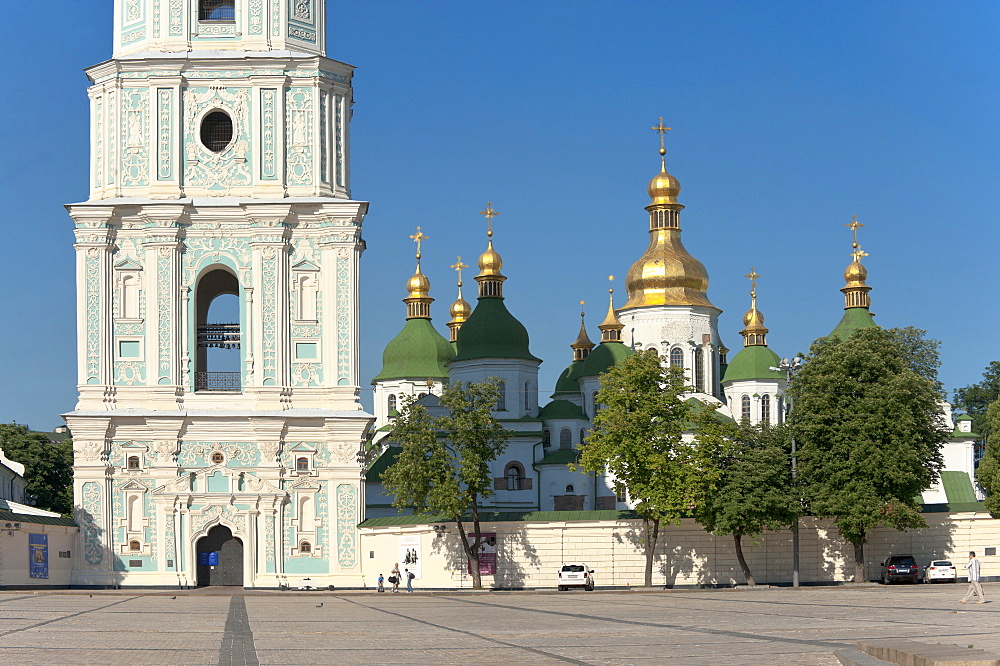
209,559
38,555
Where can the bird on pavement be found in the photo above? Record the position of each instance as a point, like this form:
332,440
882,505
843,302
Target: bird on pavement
319,605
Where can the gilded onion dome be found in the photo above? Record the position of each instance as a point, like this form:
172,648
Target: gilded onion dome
418,300
666,274
582,345
460,309
754,332
856,298
611,327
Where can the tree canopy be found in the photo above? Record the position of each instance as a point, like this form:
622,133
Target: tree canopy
443,465
870,429
48,467
975,399
988,472
637,438
750,489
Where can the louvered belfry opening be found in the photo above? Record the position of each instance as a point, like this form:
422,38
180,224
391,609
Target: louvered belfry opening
218,360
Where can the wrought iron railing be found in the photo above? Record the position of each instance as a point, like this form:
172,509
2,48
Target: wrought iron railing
217,381
223,336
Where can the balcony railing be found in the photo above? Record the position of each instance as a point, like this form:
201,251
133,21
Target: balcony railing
217,381
222,336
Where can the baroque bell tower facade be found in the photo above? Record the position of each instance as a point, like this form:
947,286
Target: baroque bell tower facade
218,429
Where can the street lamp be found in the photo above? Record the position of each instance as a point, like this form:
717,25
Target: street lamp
790,368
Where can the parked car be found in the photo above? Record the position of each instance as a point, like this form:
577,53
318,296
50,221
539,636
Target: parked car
900,567
940,570
576,575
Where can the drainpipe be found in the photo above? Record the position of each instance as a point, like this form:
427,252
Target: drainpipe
538,490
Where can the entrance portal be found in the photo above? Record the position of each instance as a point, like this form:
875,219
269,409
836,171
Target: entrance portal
220,558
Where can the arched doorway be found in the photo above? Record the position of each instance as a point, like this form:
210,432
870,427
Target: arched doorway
220,558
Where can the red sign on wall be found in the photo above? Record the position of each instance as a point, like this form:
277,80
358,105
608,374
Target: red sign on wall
487,554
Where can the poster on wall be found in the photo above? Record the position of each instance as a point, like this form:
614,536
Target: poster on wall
38,555
409,554
487,553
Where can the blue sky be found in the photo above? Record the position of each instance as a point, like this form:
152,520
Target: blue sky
788,118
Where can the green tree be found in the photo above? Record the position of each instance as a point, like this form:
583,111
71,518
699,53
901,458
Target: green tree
975,399
48,467
637,438
751,488
870,430
988,472
444,461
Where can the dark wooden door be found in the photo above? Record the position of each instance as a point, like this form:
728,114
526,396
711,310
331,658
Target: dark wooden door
228,555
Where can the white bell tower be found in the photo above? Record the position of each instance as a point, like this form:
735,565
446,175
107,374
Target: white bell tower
217,270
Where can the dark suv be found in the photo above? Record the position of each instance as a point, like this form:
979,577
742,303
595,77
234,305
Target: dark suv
900,567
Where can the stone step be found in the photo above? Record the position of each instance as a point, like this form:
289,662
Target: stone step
914,653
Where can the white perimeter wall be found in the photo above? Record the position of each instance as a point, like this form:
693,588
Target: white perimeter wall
530,554
14,555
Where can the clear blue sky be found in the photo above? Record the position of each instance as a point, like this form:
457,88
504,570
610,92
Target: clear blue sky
788,118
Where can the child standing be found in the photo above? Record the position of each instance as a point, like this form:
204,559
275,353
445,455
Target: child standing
381,583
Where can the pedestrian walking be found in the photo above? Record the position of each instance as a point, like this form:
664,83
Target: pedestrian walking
409,580
975,588
394,578
381,583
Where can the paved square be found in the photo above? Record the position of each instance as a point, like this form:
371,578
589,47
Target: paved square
773,626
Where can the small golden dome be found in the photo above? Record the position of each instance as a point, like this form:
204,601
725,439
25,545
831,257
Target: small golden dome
490,262
663,188
753,318
460,310
418,286
856,274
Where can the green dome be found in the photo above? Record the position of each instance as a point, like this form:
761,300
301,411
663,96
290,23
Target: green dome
562,409
605,356
491,331
567,380
854,319
418,352
753,362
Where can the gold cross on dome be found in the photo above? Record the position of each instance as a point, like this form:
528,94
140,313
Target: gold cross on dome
417,238
753,275
662,129
489,214
854,226
458,266
858,253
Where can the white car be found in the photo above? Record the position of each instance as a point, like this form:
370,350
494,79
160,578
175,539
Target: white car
576,575
940,570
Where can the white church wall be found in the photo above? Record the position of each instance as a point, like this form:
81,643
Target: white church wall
16,555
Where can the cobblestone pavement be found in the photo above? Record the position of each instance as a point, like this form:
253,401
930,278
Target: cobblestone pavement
766,626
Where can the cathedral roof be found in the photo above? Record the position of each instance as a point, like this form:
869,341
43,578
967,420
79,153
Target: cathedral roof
753,362
854,319
604,357
567,382
491,331
417,352
856,298
562,409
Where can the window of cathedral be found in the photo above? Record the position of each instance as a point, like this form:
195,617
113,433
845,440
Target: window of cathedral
570,489
597,406
502,398
132,462
302,464
392,402
421,395
621,495
218,458
134,546
677,357
546,439
515,476
223,11
699,369
765,408
583,434
565,439
745,408
217,131
305,548
781,409
218,312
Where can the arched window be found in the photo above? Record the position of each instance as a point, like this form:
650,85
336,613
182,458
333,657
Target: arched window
217,10
392,402
307,517
745,410
699,369
305,547
502,397
130,297
134,515
133,462
527,397
565,439
134,546
597,406
307,298
546,438
515,476
765,409
781,409
583,435
677,357
570,489
218,364
421,395
218,458
302,464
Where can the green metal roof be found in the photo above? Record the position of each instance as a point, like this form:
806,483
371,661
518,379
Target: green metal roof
560,457
491,331
567,382
753,362
854,319
10,516
504,516
604,357
562,409
958,487
417,352
374,473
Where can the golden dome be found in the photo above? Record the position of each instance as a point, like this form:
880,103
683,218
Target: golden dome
490,262
663,188
666,274
856,274
418,286
460,310
753,318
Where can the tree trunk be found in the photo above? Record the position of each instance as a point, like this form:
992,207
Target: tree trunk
859,559
652,529
737,537
471,552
